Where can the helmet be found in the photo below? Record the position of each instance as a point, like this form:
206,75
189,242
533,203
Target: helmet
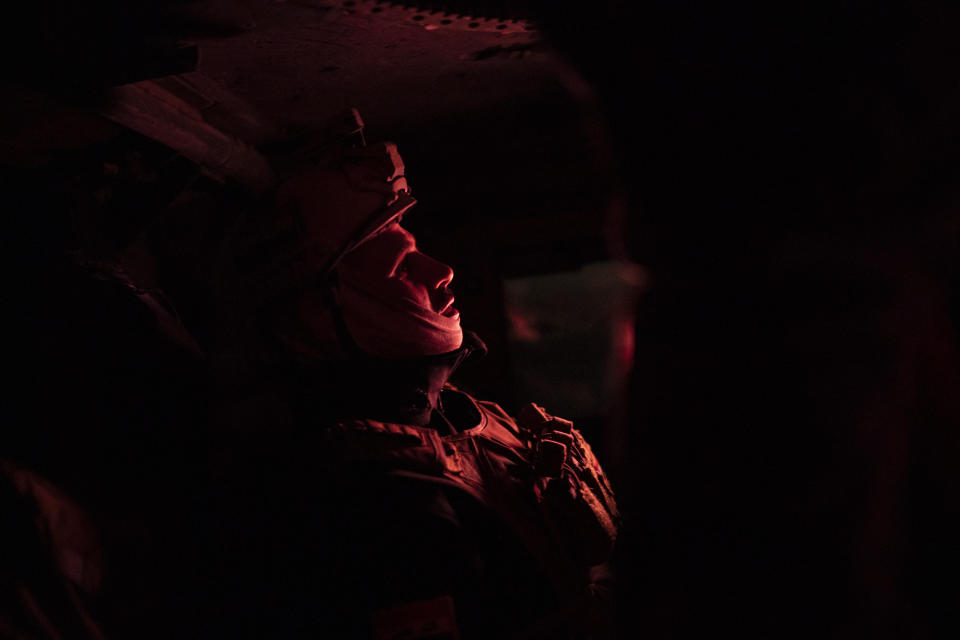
340,207
319,215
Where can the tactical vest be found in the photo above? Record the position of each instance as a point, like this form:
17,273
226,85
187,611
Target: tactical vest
502,466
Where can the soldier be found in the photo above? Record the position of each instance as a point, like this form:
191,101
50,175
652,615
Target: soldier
102,474
384,502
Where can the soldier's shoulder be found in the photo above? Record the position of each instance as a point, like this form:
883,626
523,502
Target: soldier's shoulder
365,445
52,562
453,394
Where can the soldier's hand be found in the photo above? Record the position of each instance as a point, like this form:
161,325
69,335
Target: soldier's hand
571,486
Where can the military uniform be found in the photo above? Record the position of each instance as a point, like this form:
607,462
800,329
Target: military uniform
452,530
475,525
52,564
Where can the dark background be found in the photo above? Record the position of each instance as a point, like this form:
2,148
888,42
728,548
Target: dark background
786,176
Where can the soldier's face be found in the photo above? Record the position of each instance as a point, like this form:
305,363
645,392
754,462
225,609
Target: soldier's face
390,269
391,264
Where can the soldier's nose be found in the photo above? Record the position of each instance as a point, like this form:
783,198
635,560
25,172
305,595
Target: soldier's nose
445,277
433,273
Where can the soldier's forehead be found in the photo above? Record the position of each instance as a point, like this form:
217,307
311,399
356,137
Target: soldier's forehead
385,249
393,237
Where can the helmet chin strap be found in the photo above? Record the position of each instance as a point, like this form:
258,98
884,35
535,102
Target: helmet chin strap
351,350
